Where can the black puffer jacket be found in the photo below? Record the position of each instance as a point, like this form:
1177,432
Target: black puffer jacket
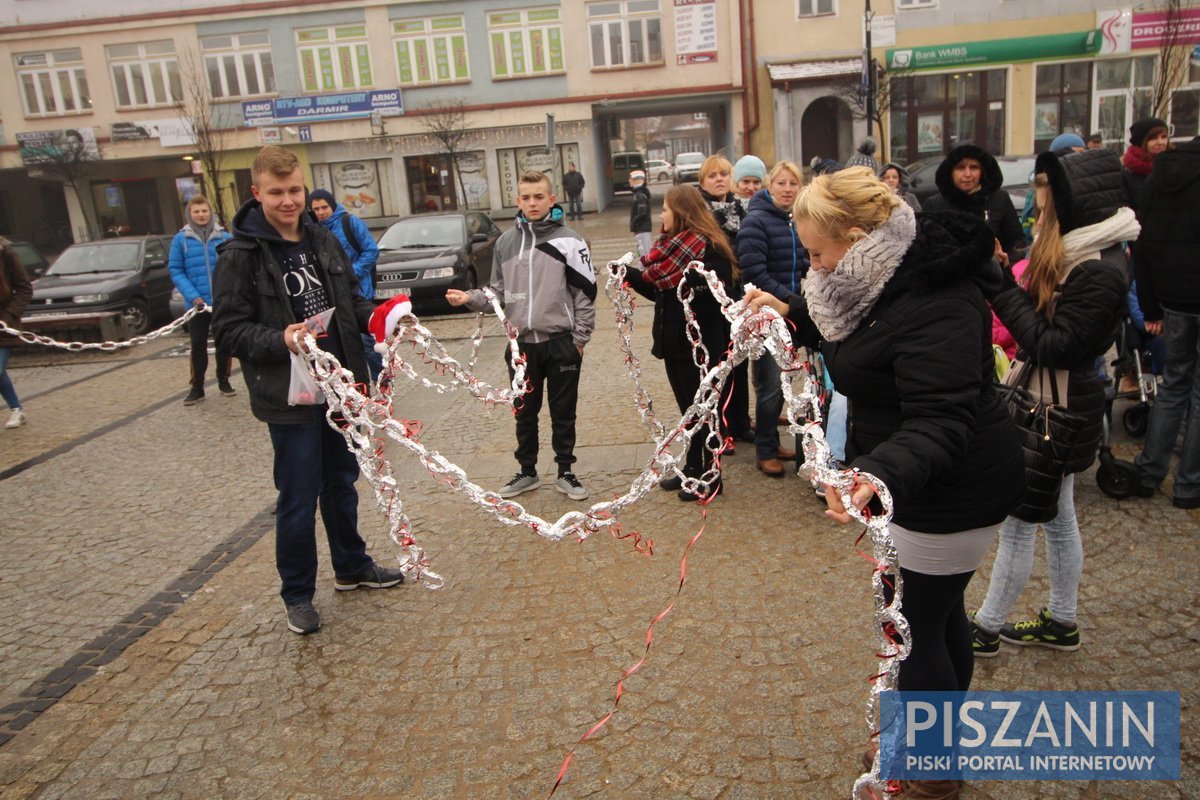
918,371
1082,328
252,307
1165,256
1088,187
991,203
769,251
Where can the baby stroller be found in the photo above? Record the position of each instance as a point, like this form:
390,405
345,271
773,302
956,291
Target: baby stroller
1132,379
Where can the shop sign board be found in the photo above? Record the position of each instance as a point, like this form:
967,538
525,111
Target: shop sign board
321,107
998,51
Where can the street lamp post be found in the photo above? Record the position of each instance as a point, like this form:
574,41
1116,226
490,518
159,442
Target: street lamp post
869,69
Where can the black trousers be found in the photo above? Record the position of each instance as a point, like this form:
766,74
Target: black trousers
198,330
551,368
942,658
684,377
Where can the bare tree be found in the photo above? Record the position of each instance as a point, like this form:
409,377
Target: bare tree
889,86
199,112
68,157
1174,56
449,123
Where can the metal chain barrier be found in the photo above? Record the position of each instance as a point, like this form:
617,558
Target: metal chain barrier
364,421
765,334
30,337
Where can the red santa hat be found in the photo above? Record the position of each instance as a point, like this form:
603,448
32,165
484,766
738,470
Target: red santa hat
386,317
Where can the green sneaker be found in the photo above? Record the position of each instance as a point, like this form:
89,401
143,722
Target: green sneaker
985,643
1045,631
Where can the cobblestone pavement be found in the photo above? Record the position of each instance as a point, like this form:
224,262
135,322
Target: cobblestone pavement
145,652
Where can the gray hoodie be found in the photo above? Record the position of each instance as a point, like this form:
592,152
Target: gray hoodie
542,273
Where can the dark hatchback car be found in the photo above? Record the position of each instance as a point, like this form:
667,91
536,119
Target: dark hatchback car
424,255
128,275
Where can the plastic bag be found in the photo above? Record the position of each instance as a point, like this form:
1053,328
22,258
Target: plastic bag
303,389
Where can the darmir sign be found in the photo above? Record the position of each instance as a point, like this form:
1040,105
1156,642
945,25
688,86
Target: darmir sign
321,107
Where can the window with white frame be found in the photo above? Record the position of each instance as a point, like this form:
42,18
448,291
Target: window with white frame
526,44
625,33
901,4
432,50
1184,114
239,64
145,74
53,83
334,58
816,8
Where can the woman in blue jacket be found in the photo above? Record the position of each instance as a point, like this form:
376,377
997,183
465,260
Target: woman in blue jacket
192,261
772,258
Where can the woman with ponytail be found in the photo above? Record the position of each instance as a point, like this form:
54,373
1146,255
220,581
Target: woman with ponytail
1065,317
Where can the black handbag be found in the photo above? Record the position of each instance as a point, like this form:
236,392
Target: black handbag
1049,431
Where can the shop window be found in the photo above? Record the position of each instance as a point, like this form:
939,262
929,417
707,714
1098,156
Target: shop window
53,83
1063,102
335,58
526,43
145,74
1185,113
625,33
431,50
238,65
815,8
517,160
365,187
930,114
1123,94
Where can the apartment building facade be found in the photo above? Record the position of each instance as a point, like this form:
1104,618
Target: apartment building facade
358,90
1008,74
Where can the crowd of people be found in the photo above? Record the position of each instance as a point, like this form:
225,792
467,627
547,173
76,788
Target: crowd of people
901,301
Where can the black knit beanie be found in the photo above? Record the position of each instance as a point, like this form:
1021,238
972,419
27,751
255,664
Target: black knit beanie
1140,131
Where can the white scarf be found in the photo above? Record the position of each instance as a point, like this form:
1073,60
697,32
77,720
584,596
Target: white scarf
1082,243
839,300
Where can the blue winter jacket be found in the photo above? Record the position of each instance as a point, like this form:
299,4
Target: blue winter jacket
363,257
192,263
769,252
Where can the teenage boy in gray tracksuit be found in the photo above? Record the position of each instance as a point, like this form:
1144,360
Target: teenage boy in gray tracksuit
542,272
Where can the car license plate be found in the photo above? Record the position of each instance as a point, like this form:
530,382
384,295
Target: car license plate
383,294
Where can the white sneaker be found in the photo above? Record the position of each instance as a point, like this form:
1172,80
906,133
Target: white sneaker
16,418
569,485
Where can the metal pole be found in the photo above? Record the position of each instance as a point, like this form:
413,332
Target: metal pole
869,66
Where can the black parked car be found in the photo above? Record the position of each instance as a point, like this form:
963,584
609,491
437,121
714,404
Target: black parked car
35,263
424,255
126,274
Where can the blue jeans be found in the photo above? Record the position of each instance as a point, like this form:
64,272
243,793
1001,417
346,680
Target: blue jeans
1014,563
6,386
768,390
313,465
1177,400
374,359
835,426
575,206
